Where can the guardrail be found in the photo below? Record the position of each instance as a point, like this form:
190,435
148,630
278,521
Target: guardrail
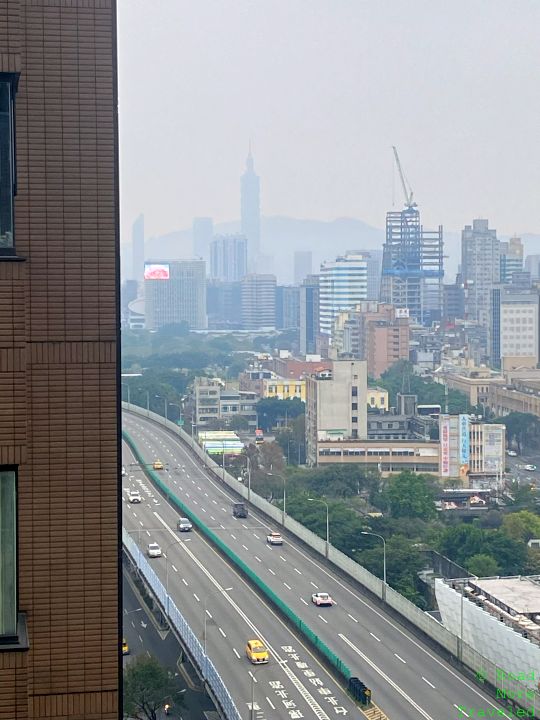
485,670
331,657
186,634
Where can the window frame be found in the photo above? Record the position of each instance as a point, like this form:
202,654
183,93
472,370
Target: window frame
10,638
13,80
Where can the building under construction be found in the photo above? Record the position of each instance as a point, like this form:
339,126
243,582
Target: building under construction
412,266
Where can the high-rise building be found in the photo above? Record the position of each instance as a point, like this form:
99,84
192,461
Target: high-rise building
287,307
137,246
309,315
59,375
175,292
532,265
224,305
343,284
412,266
480,269
259,302
511,258
203,234
514,329
453,301
336,405
375,332
303,265
228,258
250,212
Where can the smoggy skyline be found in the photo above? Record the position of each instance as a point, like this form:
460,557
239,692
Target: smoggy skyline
324,88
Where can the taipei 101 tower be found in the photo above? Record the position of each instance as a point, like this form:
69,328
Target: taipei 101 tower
250,211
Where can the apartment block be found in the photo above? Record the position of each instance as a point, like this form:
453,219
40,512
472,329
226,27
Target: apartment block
214,401
336,405
59,351
514,328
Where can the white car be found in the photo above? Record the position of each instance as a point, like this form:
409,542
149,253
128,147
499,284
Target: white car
511,453
322,598
124,471
154,550
274,539
134,496
530,468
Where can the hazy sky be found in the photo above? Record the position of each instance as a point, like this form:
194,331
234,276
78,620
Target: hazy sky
324,88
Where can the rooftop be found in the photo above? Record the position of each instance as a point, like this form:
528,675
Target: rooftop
519,594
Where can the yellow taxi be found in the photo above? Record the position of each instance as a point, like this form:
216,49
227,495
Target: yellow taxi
158,465
256,652
125,647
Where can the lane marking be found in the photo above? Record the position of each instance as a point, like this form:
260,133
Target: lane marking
374,636
400,658
352,618
297,570
388,679
323,619
196,598
233,536
271,571
287,586
270,703
312,583
221,631
185,582
245,547
257,559
302,599
175,570
284,559
427,681
235,651
460,710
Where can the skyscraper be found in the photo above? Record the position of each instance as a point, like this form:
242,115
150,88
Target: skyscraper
480,269
412,266
303,264
287,307
137,248
342,284
250,212
511,258
203,233
175,292
59,376
259,302
228,258
309,315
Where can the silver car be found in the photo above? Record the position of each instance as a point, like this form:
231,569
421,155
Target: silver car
154,550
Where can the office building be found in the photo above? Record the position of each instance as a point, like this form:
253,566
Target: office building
259,302
217,404
342,285
228,258
532,265
303,265
472,451
287,307
480,269
375,332
203,234
224,305
511,258
59,374
309,315
175,292
336,405
514,328
453,302
412,266
250,213
137,247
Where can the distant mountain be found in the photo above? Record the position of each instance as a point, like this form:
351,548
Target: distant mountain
281,236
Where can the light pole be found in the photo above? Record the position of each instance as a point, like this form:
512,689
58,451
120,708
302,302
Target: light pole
216,592
179,413
253,681
327,521
284,500
249,477
364,532
166,408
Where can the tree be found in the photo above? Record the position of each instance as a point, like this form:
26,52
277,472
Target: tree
522,525
271,457
147,688
238,422
461,542
410,495
271,410
482,565
523,428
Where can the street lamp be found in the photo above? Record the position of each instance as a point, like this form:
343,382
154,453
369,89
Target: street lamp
166,408
253,681
327,521
179,412
249,476
364,532
216,592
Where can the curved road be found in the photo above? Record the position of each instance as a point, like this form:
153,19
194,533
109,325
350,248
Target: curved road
406,676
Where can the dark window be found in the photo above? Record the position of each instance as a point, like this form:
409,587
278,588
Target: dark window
8,554
355,392
7,163
354,419
354,406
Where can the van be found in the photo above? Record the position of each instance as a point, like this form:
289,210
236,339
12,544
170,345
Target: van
239,510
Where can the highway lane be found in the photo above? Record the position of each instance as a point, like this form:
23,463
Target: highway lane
293,684
407,677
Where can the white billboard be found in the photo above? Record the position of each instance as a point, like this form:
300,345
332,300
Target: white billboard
444,431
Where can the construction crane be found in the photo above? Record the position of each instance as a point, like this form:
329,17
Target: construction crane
407,191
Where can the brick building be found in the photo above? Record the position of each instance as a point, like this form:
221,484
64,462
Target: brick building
59,324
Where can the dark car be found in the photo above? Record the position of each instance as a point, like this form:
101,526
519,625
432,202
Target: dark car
239,510
184,525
